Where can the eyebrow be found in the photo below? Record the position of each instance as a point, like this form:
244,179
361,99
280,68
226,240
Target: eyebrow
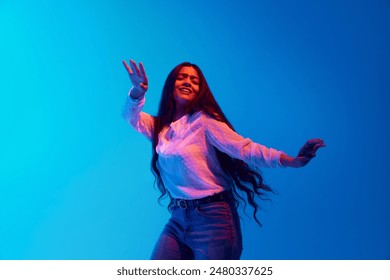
191,76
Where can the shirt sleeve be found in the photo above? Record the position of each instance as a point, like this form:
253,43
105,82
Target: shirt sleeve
132,113
222,137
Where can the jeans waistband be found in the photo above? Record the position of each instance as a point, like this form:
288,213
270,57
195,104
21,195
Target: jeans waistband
226,196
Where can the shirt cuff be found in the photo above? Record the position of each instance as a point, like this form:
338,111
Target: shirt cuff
134,100
279,162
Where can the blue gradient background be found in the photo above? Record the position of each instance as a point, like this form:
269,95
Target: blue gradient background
75,180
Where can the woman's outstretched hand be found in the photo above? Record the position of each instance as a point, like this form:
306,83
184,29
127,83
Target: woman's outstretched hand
310,148
306,153
137,77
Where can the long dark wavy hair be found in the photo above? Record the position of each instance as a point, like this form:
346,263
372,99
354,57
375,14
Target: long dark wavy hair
248,181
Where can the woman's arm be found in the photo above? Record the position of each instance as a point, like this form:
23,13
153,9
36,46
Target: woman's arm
132,111
228,141
222,137
140,121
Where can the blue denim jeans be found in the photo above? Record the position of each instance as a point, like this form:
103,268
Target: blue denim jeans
203,232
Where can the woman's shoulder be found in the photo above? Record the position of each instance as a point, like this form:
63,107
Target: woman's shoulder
206,119
202,116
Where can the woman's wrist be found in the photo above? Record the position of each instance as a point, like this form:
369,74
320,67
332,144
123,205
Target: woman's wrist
288,161
136,93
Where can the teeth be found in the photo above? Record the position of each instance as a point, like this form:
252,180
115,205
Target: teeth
185,90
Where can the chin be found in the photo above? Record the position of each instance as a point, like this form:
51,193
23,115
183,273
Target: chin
183,100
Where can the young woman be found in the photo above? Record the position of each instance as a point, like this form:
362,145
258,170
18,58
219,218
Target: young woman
201,163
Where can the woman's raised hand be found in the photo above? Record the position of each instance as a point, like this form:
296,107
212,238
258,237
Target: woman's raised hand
137,77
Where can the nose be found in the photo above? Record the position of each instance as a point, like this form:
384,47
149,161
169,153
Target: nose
186,84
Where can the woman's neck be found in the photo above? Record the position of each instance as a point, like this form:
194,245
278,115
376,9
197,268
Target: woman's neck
178,116
180,112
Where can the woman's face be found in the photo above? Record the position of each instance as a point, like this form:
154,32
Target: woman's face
186,85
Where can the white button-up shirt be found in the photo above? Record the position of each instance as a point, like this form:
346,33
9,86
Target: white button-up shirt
187,158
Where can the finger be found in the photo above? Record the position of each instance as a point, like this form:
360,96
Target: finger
316,147
315,141
134,67
127,67
143,73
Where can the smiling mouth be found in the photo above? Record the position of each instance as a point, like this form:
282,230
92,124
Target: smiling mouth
185,90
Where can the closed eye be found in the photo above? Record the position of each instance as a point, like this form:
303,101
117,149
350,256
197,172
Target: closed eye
195,81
